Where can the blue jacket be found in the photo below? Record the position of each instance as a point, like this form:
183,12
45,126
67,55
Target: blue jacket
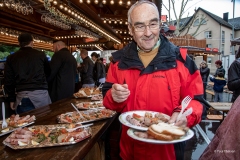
219,84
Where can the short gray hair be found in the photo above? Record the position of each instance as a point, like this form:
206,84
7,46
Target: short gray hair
138,3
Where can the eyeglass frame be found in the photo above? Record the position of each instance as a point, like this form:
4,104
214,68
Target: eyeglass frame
145,26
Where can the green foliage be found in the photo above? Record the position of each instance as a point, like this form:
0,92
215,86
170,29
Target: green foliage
49,53
6,50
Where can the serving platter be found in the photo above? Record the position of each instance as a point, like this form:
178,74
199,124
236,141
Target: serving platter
123,118
131,134
87,116
89,105
57,136
13,124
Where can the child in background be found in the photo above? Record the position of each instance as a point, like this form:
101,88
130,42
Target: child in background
219,83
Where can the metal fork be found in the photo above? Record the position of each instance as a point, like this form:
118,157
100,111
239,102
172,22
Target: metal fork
4,123
77,110
82,126
184,104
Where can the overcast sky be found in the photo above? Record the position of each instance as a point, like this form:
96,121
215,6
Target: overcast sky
217,7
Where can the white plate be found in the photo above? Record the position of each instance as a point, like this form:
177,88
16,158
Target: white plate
123,120
187,136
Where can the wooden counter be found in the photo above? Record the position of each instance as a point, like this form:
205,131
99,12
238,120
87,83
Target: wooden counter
47,115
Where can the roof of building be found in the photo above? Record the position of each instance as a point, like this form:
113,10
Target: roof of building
235,22
216,18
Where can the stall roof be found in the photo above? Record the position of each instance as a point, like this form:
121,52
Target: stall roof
235,41
197,50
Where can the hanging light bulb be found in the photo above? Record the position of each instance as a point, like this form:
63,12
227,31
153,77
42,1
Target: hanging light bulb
120,2
96,1
81,1
112,2
128,3
55,2
61,6
104,2
88,1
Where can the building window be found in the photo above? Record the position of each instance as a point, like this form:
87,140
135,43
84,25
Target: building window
198,21
209,45
208,34
222,49
223,36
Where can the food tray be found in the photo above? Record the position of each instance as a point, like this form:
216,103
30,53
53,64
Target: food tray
97,97
10,128
88,116
86,130
89,105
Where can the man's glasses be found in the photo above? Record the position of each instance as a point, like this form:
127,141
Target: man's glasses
142,27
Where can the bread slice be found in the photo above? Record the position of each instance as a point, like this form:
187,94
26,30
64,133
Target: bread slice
164,131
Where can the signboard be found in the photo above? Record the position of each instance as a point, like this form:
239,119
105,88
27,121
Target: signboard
163,18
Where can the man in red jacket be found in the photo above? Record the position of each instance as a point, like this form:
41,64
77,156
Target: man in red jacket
152,74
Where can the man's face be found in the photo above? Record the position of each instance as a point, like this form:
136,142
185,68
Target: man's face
141,16
94,58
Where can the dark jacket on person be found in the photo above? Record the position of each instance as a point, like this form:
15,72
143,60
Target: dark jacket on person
219,83
221,69
204,74
86,71
25,70
63,72
99,70
234,79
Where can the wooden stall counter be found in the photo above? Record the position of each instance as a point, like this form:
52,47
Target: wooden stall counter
48,115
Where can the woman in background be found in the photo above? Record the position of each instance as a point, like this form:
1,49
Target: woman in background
204,71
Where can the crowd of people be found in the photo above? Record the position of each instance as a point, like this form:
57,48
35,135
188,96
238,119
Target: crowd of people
31,81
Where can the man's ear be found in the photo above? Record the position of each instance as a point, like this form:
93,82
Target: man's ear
130,28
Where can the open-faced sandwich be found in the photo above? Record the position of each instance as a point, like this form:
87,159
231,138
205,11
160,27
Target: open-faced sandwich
166,132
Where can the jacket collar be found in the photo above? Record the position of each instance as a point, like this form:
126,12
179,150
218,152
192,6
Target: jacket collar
165,58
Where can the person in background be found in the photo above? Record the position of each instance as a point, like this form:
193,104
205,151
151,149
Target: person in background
219,67
25,74
63,72
86,70
99,74
151,73
204,71
108,64
234,77
219,83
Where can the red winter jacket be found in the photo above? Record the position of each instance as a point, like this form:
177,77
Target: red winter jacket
160,87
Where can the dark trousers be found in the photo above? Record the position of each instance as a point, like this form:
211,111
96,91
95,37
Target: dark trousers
24,106
179,150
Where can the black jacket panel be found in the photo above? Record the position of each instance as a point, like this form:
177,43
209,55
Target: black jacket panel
99,70
25,70
63,72
234,79
86,71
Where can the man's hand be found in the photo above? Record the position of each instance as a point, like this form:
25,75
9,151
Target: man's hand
12,106
120,92
182,122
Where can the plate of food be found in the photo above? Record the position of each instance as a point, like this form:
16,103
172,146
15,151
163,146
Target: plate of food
86,92
141,120
89,105
97,97
46,136
161,133
15,121
86,116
